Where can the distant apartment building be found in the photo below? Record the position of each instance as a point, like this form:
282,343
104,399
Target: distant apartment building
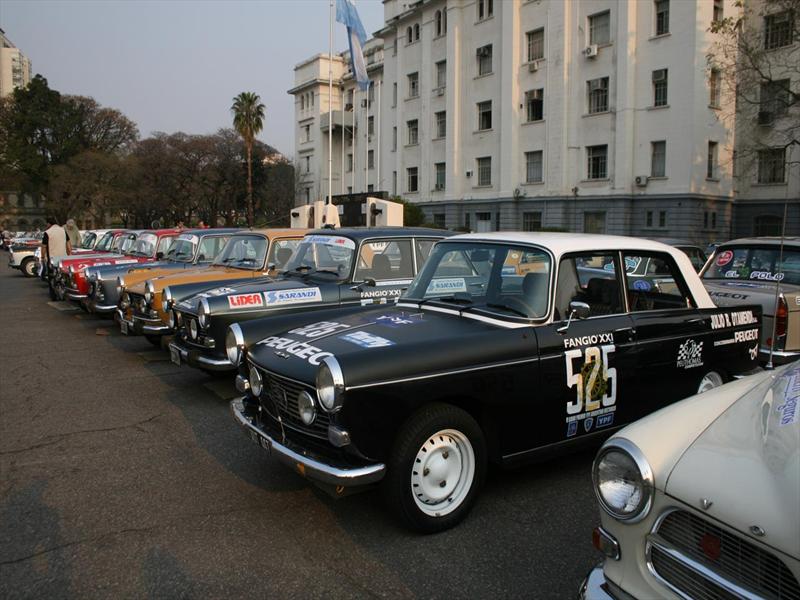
584,115
15,67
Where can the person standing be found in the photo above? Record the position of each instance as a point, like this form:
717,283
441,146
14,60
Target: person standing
55,243
73,233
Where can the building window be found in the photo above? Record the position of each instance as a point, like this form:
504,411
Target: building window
441,124
349,162
709,220
648,222
594,222
711,161
484,56
307,161
534,104
394,139
772,165
597,93
658,159
778,30
409,35
416,32
485,171
532,221
439,176
303,102
394,94
774,99
485,9
441,22
484,115
394,183
535,44
413,132
371,159
370,188
660,87
371,92
662,218
597,162
441,74
349,189
371,126
306,133
412,179
715,88
308,195
662,17
533,167
767,225
439,220
719,11
600,28
413,85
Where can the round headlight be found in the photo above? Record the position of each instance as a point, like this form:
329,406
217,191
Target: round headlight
330,383
166,299
149,290
234,342
623,481
193,328
125,301
202,313
171,320
306,408
256,383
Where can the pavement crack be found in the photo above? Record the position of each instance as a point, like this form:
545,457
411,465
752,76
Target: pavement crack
59,437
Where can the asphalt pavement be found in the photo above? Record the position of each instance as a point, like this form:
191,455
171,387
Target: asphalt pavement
122,475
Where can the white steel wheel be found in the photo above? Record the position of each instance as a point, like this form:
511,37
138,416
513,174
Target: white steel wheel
710,380
443,472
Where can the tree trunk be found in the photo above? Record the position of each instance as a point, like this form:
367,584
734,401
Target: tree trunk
250,216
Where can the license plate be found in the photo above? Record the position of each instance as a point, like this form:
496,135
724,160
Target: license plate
123,327
175,356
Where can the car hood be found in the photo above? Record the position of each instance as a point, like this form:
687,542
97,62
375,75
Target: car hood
82,262
747,462
736,292
105,272
265,293
70,258
387,343
197,275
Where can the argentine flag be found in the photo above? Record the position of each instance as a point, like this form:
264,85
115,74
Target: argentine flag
346,13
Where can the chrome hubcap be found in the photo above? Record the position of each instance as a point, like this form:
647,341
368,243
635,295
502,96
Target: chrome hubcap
443,472
709,382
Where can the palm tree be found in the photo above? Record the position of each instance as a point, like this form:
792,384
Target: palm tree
248,120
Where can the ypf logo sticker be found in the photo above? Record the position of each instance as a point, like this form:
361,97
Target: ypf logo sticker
690,355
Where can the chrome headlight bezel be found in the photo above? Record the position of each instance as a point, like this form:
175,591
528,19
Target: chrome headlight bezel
171,319
120,283
645,482
330,384
166,299
193,330
149,292
256,381
306,407
234,343
203,311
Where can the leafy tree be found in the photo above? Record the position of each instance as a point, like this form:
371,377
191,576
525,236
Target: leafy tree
248,120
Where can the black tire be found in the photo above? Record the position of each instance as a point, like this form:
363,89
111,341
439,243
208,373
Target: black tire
28,267
417,432
154,339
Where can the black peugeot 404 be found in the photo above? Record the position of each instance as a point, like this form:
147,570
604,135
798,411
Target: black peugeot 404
505,348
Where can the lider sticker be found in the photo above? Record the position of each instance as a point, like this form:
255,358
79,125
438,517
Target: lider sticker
245,300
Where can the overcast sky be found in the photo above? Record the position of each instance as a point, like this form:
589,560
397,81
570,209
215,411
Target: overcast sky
175,66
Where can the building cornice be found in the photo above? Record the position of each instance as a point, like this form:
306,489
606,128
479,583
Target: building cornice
311,83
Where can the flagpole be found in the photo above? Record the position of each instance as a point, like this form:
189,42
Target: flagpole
353,142
378,138
366,146
341,176
330,107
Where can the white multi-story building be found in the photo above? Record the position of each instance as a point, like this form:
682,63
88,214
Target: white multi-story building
15,67
585,115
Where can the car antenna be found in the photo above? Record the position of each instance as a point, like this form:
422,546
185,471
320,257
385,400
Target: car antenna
769,365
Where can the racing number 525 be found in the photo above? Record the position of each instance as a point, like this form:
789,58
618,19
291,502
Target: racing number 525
595,380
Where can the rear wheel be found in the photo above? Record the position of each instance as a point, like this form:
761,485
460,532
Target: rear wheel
28,267
436,468
710,380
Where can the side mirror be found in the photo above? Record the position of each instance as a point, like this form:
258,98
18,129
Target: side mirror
272,266
579,310
368,282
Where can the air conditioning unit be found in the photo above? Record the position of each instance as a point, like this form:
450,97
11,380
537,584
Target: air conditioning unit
533,66
641,180
765,118
469,173
590,51
440,91
348,107
659,75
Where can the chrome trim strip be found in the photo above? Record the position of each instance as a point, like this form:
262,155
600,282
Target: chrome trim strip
151,329
104,307
307,466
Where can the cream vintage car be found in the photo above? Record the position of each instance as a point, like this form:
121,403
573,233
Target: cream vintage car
702,499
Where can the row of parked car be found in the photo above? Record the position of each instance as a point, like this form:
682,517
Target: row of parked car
410,359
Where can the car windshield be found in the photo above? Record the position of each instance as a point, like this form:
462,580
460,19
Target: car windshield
125,242
182,249
244,252
503,279
88,240
755,263
326,254
105,242
145,245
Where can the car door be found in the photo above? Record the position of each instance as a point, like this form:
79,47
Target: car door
670,331
389,263
587,365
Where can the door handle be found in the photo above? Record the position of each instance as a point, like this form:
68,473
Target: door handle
699,320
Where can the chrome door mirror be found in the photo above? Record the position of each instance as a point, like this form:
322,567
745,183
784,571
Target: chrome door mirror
577,310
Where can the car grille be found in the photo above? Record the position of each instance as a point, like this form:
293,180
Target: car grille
683,540
281,401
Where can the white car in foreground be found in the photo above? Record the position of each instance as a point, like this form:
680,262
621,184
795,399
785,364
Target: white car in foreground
702,499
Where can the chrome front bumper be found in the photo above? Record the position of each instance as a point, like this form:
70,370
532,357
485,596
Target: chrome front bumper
74,294
195,359
307,466
151,326
102,308
597,587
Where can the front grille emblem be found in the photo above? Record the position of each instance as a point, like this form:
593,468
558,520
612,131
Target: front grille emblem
281,354
757,531
705,503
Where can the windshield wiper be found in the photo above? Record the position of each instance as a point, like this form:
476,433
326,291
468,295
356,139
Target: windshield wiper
457,298
508,308
325,271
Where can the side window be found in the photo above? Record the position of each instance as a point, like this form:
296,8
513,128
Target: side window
589,278
210,247
163,245
662,287
281,251
423,248
388,259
